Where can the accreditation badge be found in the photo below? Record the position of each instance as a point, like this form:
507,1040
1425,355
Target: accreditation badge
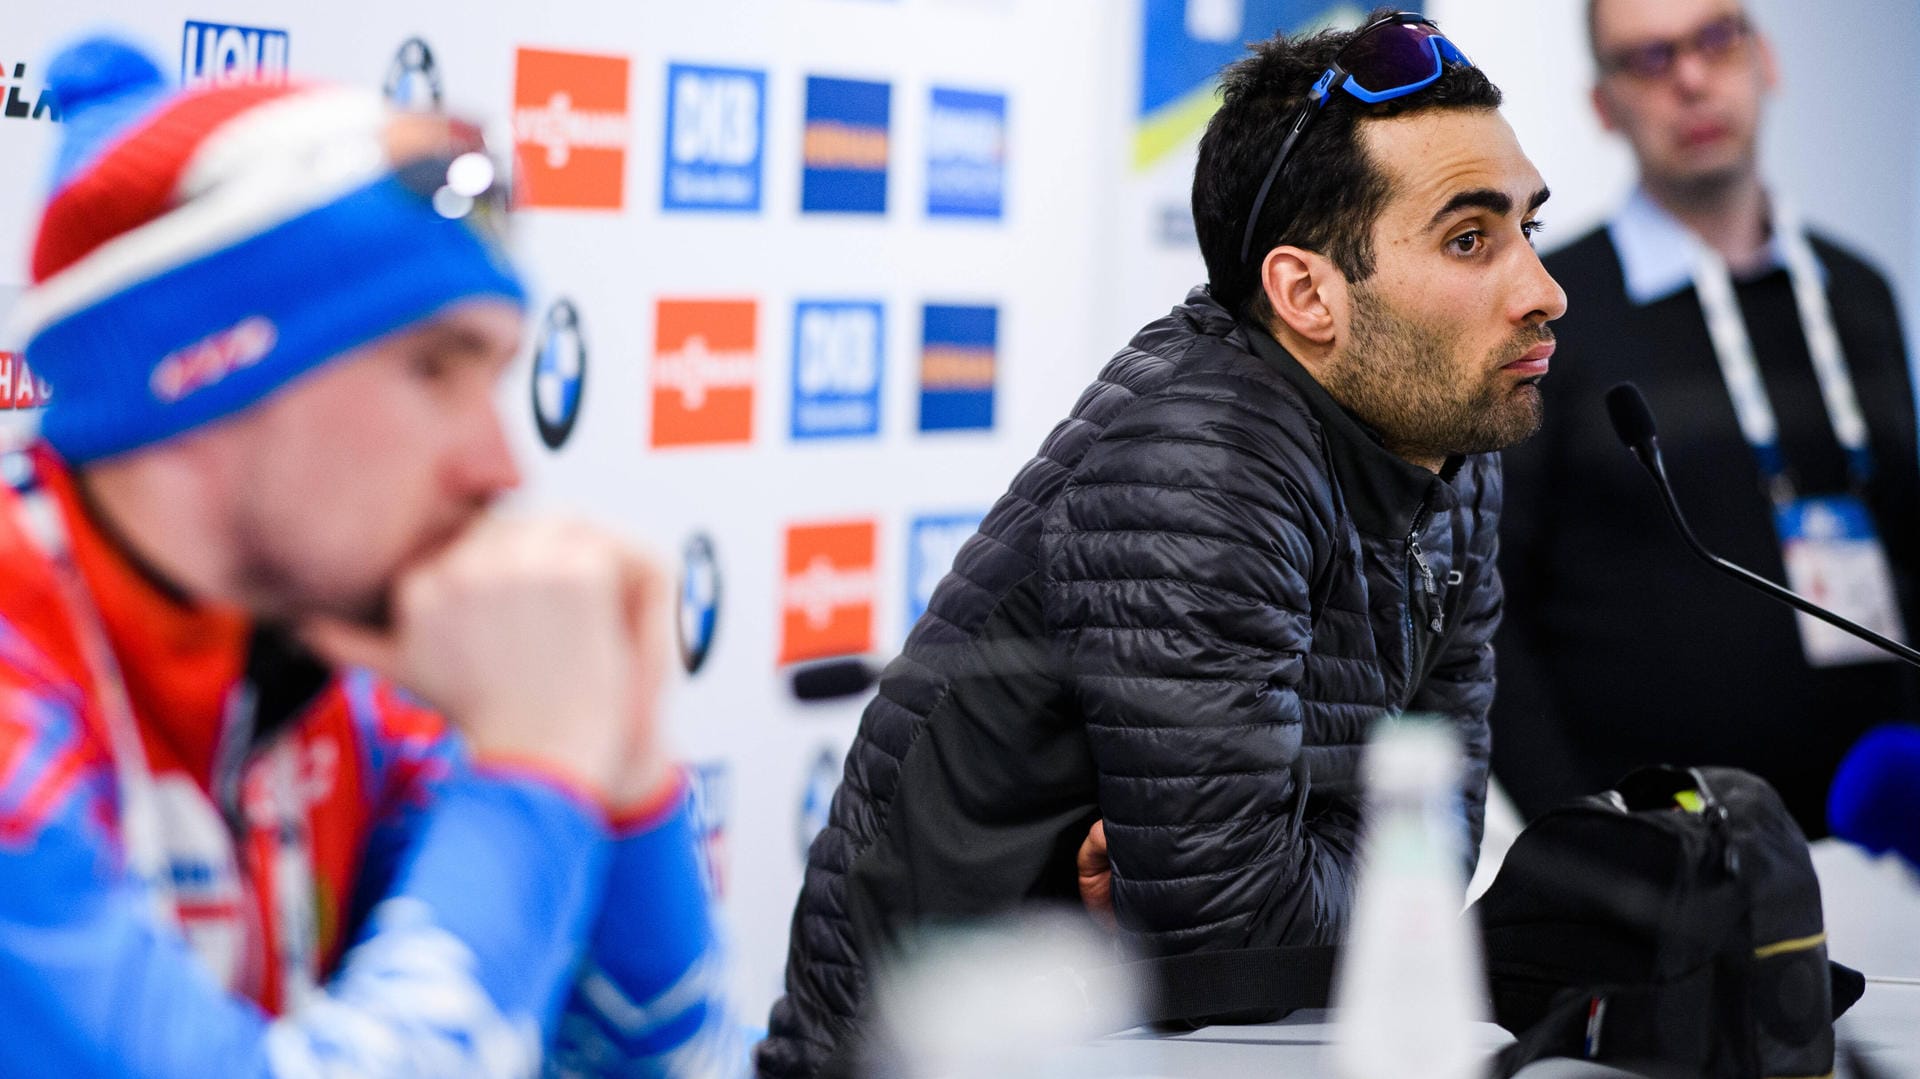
1834,558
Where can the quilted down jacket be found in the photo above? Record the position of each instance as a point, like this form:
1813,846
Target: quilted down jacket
1182,617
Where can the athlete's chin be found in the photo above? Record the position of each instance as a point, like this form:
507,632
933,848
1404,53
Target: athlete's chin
1517,420
1527,423
1524,407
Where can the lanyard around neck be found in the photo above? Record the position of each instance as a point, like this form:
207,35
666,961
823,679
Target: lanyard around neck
141,819
1733,348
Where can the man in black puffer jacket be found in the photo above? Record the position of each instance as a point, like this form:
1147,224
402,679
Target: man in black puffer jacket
1269,522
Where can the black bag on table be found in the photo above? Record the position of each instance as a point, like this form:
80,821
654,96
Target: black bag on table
1670,926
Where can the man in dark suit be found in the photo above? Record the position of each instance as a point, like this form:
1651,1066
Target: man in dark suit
1793,456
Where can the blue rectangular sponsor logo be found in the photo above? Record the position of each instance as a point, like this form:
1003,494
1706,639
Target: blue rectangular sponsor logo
966,154
716,124
710,794
217,54
837,361
845,147
957,367
932,543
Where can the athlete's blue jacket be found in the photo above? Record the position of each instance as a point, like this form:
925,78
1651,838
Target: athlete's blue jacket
465,919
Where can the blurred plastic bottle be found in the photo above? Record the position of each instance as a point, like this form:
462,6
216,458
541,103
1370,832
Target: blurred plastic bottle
1026,997
1410,984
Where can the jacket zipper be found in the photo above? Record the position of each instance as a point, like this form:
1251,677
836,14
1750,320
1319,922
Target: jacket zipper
1427,582
234,753
1419,570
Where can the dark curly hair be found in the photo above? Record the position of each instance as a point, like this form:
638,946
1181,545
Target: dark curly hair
1329,195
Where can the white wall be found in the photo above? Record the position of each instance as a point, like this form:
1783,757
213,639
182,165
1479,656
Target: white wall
1845,125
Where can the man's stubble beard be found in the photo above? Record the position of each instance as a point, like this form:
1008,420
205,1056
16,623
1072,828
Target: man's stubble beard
275,587
1705,190
281,582
1395,375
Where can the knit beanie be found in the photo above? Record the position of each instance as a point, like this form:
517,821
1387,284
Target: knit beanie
201,249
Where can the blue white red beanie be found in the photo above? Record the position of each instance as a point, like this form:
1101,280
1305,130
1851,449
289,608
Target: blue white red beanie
202,249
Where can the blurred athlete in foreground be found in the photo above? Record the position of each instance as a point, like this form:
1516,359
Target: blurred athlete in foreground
250,567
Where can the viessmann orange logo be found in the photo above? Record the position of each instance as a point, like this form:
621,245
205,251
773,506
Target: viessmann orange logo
827,597
570,128
705,355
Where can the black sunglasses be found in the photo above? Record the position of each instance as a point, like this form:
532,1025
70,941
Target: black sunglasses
1390,57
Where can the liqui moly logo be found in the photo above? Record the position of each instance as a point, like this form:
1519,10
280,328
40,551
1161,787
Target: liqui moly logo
212,359
218,54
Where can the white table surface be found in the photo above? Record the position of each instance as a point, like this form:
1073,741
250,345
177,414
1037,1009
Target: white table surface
1872,910
1884,1027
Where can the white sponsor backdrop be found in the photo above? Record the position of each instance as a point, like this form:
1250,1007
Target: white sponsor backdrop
1025,85
686,425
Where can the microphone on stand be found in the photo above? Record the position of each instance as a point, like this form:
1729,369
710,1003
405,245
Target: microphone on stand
1633,422
1875,800
833,679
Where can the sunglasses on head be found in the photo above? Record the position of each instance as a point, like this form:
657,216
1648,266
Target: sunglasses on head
1716,40
464,182
1391,57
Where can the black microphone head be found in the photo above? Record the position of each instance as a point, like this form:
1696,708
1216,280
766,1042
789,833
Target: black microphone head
1632,419
834,678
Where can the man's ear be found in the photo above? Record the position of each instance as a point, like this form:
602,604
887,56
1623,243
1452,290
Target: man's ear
1306,292
1603,108
1769,66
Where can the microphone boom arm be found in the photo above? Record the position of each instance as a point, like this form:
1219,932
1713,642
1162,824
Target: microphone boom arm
1793,599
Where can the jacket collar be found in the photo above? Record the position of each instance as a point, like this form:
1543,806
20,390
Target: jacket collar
1656,250
1386,495
180,660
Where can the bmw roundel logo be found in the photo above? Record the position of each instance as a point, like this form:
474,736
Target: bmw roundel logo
559,374
413,80
823,777
699,607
